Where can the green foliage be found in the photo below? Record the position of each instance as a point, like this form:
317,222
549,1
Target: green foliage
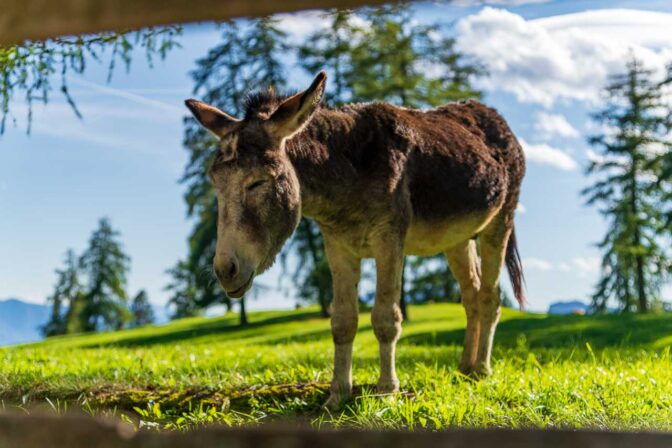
627,190
602,372
184,300
66,291
34,67
331,49
141,310
99,302
106,266
664,163
399,61
431,281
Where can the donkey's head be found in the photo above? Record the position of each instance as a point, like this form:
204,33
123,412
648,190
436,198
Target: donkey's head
257,188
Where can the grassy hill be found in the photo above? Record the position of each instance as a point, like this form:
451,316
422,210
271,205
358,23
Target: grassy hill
550,371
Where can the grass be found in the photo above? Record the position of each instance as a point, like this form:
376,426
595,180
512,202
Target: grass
596,372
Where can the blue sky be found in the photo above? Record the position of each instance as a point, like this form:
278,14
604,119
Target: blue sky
547,61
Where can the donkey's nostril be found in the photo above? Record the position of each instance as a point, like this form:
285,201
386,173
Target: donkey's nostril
233,269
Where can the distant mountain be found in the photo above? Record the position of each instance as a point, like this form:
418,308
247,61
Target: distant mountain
569,307
20,321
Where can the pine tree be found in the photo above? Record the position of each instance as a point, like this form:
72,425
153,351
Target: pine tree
627,190
141,310
106,266
66,291
399,61
184,300
331,49
664,162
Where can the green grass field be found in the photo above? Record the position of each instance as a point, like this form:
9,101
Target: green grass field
597,372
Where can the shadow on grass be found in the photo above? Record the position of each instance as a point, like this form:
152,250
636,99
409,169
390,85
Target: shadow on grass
207,328
565,331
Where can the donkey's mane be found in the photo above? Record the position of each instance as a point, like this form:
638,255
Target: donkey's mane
260,103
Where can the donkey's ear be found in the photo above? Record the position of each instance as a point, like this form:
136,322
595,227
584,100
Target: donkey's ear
212,119
295,112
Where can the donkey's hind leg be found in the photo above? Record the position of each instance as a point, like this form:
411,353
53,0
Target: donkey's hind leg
493,240
463,262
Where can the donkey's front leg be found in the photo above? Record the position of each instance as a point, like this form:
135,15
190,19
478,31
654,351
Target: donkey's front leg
345,272
386,315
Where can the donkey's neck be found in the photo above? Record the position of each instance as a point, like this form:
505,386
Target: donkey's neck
321,155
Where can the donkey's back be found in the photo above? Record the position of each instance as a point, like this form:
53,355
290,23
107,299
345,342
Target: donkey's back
456,167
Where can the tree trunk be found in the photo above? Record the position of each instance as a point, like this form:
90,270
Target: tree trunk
636,241
641,289
243,313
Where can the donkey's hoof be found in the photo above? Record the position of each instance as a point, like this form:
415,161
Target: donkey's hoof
475,372
387,387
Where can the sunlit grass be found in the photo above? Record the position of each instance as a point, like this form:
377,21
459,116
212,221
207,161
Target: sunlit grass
598,372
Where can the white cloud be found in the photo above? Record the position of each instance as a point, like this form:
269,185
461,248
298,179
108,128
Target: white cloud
562,57
521,209
537,264
301,24
544,154
582,266
587,266
554,124
132,97
109,124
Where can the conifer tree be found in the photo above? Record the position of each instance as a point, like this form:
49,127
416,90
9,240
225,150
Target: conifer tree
331,49
141,310
399,61
627,190
68,287
184,300
106,265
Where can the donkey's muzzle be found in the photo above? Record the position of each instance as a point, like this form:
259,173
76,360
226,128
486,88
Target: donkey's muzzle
232,277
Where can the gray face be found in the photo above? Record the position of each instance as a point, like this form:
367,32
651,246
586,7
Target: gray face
258,207
257,189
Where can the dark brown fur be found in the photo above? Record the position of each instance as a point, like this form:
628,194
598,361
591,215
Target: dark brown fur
451,160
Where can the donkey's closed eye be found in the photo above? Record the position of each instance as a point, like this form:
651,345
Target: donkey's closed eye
256,184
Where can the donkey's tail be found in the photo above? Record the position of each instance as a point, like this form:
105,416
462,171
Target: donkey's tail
515,268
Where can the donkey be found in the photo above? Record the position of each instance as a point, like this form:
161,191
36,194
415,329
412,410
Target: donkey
381,182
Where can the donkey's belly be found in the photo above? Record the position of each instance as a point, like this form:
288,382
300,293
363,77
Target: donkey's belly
431,238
